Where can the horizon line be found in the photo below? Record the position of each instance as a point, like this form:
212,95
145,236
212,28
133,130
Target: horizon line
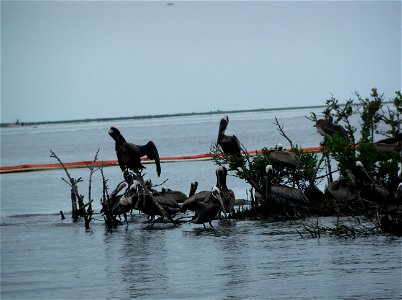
20,122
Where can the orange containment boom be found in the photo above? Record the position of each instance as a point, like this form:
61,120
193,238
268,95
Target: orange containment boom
106,163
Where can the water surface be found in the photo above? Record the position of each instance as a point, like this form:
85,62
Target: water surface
43,257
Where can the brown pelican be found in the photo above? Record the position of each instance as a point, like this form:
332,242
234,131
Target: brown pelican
326,127
283,158
207,209
280,194
117,205
127,202
113,199
390,144
193,188
230,144
343,188
192,202
368,188
227,195
129,155
149,186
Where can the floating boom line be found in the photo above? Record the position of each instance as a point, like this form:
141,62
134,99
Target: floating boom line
107,163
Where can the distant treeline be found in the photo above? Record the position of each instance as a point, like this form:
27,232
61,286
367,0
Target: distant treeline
22,123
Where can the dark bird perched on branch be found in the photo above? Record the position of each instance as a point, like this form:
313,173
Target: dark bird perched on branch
326,127
390,144
230,144
129,155
227,195
283,158
289,197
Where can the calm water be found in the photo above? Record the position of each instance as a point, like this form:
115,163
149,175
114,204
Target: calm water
43,257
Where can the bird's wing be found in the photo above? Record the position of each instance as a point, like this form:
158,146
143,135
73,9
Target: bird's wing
236,141
151,152
120,160
129,154
166,201
192,202
285,158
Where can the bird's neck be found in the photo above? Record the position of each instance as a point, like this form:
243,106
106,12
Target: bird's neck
267,185
221,134
120,141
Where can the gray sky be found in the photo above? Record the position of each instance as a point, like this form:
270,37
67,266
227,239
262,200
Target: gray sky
74,60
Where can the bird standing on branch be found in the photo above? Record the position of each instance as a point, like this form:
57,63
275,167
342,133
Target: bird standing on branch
129,155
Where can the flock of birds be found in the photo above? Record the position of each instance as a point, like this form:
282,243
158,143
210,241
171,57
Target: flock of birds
358,180
206,205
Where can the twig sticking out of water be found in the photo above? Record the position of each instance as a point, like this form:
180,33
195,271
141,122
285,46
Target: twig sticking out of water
88,213
346,227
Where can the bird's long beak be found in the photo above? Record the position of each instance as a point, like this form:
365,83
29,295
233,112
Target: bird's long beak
368,176
222,204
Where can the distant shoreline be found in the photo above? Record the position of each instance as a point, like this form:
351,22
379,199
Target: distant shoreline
22,123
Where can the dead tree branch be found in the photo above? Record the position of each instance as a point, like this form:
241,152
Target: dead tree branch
75,196
88,213
280,128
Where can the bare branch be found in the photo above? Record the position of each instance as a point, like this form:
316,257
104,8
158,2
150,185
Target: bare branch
282,132
53,155
313,117
159,184
92,170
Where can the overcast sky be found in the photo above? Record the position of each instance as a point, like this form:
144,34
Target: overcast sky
75,60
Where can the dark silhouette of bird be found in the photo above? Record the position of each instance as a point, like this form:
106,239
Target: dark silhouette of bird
326,127
230,145
287,196
280,157
390,144
129,155
227,194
